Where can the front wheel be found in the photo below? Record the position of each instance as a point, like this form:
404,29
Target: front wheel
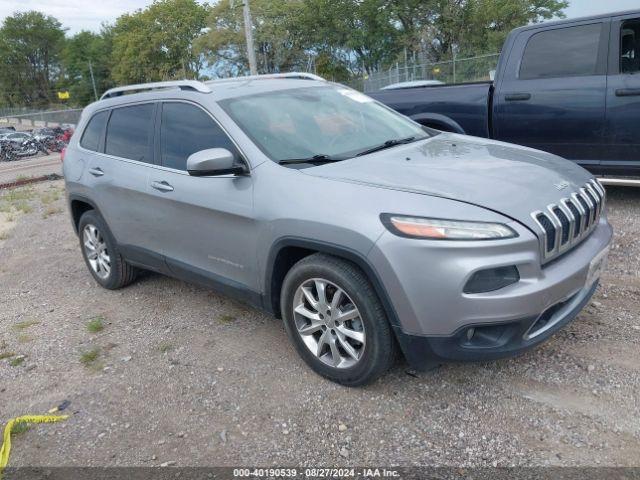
336,321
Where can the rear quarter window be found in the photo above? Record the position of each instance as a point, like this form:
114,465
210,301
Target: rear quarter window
93,132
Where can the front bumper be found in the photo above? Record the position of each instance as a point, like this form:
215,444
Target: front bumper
425,280
492,341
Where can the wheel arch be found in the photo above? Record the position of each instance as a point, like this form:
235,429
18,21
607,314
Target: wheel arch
286,251
78,206
439,122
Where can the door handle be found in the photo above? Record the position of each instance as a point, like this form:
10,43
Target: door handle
627,92
162,186
515,97
96,172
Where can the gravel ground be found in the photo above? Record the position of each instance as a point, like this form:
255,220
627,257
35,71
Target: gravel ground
36,166
181,374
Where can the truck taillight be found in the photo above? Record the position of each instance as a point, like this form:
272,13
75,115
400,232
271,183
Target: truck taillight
62,152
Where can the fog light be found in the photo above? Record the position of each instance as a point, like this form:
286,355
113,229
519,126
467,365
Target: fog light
492,279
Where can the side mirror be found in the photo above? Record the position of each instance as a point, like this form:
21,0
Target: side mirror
213,162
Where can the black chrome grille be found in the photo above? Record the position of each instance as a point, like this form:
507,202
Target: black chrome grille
577,216
549,228
566,223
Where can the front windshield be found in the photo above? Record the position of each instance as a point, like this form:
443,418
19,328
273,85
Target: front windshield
330,121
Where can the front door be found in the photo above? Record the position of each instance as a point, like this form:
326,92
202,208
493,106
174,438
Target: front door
553,99
623,95
204,225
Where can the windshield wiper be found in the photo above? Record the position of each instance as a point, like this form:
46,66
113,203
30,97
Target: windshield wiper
313,159
385,145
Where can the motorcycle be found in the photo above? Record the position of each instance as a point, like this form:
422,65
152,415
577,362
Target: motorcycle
52,143
7,153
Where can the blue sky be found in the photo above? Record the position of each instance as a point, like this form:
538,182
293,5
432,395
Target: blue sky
77,15
583,8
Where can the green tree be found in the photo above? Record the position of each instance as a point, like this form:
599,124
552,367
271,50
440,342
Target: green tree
440,28
278,48
157,43
358,34
30,47
83,52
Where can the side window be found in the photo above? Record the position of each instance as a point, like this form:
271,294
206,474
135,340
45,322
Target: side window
129,133
562,52
93,132
630,46
186,129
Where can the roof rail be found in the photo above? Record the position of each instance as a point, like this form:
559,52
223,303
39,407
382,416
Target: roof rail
181,84
270,76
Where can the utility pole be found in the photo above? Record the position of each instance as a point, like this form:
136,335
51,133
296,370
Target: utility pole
93,81
251,53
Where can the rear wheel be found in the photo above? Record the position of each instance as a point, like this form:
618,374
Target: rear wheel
336,321
101,254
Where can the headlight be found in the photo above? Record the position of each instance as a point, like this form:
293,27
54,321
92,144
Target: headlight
439,229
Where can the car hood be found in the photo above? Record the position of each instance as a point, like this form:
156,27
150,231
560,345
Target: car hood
508,179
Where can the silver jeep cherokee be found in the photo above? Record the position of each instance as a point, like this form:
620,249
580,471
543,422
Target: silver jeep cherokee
366,232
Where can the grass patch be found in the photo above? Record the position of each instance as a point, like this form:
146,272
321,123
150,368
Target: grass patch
23,206
50,196
165,347
24,325
19,428
90,357
226,319
18,194
50,211
96,324
4,235
16,362
5,207
7,355
20,178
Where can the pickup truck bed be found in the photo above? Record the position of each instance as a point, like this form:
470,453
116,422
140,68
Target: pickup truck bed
460,108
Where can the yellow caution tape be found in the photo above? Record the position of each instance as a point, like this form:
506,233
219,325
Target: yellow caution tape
6,440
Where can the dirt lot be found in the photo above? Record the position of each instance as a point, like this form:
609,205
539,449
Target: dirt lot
163,372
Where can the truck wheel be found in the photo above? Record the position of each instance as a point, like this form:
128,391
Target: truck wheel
101,254
336,321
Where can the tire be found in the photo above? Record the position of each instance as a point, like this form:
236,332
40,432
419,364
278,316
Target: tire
326,323
120,273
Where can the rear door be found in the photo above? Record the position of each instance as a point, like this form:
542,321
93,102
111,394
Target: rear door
552,94
623,96
204,225
118,175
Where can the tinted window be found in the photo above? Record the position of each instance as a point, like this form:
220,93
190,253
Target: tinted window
563,52
630,47
187,129
93,133
129,132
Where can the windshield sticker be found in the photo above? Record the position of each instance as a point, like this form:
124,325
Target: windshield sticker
353,95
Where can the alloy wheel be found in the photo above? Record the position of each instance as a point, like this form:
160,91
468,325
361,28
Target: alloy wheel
95,249
329,323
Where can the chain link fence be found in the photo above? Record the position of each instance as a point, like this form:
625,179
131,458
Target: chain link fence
44,118
458,70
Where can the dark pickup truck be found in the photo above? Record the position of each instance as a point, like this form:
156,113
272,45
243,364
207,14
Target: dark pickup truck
569,87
